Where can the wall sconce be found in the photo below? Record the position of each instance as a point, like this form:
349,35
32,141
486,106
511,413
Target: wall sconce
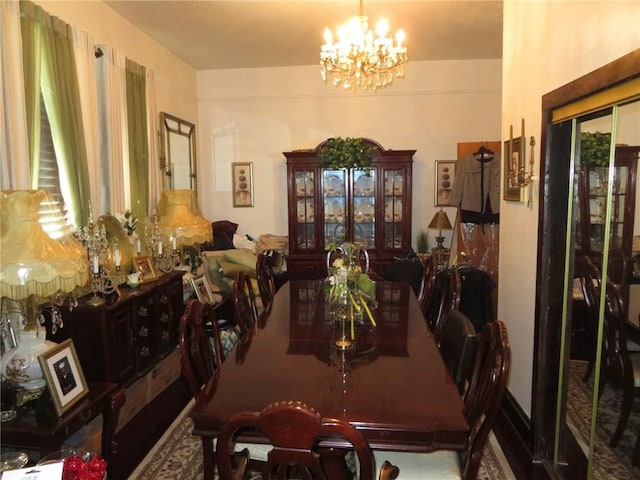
517,175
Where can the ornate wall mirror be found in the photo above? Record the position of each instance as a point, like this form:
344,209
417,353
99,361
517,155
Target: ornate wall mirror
178,153
589,207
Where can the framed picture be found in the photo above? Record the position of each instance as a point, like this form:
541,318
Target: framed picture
203,290
64,376
445,176
513,163
242,174
144,265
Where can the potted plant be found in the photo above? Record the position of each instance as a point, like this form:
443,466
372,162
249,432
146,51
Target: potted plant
422,242
347,152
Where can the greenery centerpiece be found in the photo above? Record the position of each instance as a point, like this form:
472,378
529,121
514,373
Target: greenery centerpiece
594,149
351,292
347,152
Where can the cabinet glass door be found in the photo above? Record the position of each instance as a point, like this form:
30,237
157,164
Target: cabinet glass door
334,201
394,208
364,208
305,226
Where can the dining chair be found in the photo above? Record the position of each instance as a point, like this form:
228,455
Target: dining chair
482,402
618,364
295,432
457,346
266,282
446,297
200,352
429,271
244,302
590,283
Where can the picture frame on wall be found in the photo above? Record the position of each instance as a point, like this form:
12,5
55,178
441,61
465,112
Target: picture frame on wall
444,179
513,160
242,175
144,265
202,289
64,376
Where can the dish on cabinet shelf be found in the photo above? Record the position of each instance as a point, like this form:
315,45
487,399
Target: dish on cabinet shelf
393,210
334,212
333,186
363,211
364,185
305,215
304,185
393,184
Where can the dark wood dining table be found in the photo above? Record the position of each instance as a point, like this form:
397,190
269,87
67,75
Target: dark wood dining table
391,383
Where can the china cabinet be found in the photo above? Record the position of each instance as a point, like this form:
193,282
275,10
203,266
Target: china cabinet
371,208
592,198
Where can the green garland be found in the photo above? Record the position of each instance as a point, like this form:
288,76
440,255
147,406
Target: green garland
346,152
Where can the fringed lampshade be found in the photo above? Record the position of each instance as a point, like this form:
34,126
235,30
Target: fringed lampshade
180,218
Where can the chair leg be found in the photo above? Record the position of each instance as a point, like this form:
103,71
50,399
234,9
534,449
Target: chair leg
587,374
208,454
625,410
635,459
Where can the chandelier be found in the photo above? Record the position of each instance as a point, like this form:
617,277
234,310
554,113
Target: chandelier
358,60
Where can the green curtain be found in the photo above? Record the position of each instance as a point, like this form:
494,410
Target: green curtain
138,147
51,63
31,19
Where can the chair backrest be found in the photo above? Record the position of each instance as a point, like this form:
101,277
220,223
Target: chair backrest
266,282
295,431
244,303
200,350
457,346
483,396
429,271
616,360
446,297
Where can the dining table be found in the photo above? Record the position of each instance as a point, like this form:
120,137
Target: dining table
387,379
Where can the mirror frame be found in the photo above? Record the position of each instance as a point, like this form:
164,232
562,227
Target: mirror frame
552,235
171,126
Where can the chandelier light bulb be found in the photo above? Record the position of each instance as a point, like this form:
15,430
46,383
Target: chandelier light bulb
357,60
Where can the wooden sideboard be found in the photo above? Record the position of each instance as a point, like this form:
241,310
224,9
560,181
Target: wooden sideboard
130,340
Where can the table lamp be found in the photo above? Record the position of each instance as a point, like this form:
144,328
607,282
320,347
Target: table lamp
40,258
180,219
440,222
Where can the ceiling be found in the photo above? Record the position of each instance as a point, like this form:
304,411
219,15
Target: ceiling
215,34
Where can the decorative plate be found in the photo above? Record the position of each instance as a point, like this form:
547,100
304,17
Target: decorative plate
393,210
364,185
393,184
363,211
333,186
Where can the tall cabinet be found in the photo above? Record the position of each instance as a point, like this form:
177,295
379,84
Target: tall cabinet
371,208
593,186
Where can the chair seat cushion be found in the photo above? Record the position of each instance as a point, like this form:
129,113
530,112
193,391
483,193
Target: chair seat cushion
440,465
229,337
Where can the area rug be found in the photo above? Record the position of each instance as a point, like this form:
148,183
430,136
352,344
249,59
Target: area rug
609,463
178,456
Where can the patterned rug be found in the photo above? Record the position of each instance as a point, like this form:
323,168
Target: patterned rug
609,463
178,456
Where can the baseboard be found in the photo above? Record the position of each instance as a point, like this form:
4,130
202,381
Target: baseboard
513,431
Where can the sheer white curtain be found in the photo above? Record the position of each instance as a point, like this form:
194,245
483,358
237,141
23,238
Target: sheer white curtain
84,52
114,144
153,134
14,147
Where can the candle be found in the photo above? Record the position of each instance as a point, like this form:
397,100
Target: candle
173,242
116,254
137,246
96,266
160,248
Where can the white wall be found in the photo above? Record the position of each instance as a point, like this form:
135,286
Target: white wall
175,79
255,115
546,44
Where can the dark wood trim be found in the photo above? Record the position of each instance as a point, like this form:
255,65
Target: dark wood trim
553,195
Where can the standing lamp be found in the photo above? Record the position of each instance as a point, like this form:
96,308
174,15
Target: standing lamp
180,220
440,222
40,258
